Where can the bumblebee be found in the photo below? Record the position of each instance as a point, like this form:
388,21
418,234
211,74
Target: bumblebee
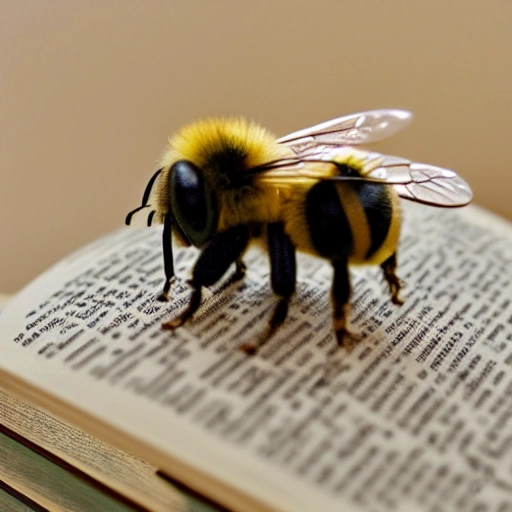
224,183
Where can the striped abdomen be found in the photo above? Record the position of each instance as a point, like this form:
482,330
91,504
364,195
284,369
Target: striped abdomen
355,221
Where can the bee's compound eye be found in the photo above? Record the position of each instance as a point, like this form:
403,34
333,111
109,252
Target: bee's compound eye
192,202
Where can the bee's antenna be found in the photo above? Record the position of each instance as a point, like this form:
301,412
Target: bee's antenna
133,212
145,199
149,186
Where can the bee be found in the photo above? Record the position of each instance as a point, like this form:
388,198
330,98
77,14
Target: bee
224,183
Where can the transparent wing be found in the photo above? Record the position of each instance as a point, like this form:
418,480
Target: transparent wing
418,182
354,129
422,183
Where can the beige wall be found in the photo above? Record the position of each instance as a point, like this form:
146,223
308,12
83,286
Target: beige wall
90,91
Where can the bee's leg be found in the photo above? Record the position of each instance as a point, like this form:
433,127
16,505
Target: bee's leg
236,276
283,271
340,294
168,257
389,268
239,270
283,276
215,259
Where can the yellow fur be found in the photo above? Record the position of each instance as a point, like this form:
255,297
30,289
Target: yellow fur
357,221
271,198
197,141
201,143
294,216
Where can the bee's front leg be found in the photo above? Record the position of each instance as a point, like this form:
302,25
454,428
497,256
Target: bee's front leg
220,252
168,258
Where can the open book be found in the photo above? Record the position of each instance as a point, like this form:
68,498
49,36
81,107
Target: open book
418,416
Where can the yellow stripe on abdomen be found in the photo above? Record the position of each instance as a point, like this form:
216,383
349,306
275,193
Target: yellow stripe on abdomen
358,222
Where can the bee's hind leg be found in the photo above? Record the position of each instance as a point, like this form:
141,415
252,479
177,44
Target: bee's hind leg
215,259
340,295
389,268
283,275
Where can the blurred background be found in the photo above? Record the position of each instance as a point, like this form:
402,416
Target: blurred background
91,90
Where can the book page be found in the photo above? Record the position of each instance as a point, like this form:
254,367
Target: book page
416,417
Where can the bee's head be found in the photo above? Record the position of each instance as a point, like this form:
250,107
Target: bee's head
207,160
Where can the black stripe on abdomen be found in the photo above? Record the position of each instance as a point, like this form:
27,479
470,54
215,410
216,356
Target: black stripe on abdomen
328,224
378,208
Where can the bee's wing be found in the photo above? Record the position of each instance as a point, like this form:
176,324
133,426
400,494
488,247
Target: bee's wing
354,129
148,207
418,182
